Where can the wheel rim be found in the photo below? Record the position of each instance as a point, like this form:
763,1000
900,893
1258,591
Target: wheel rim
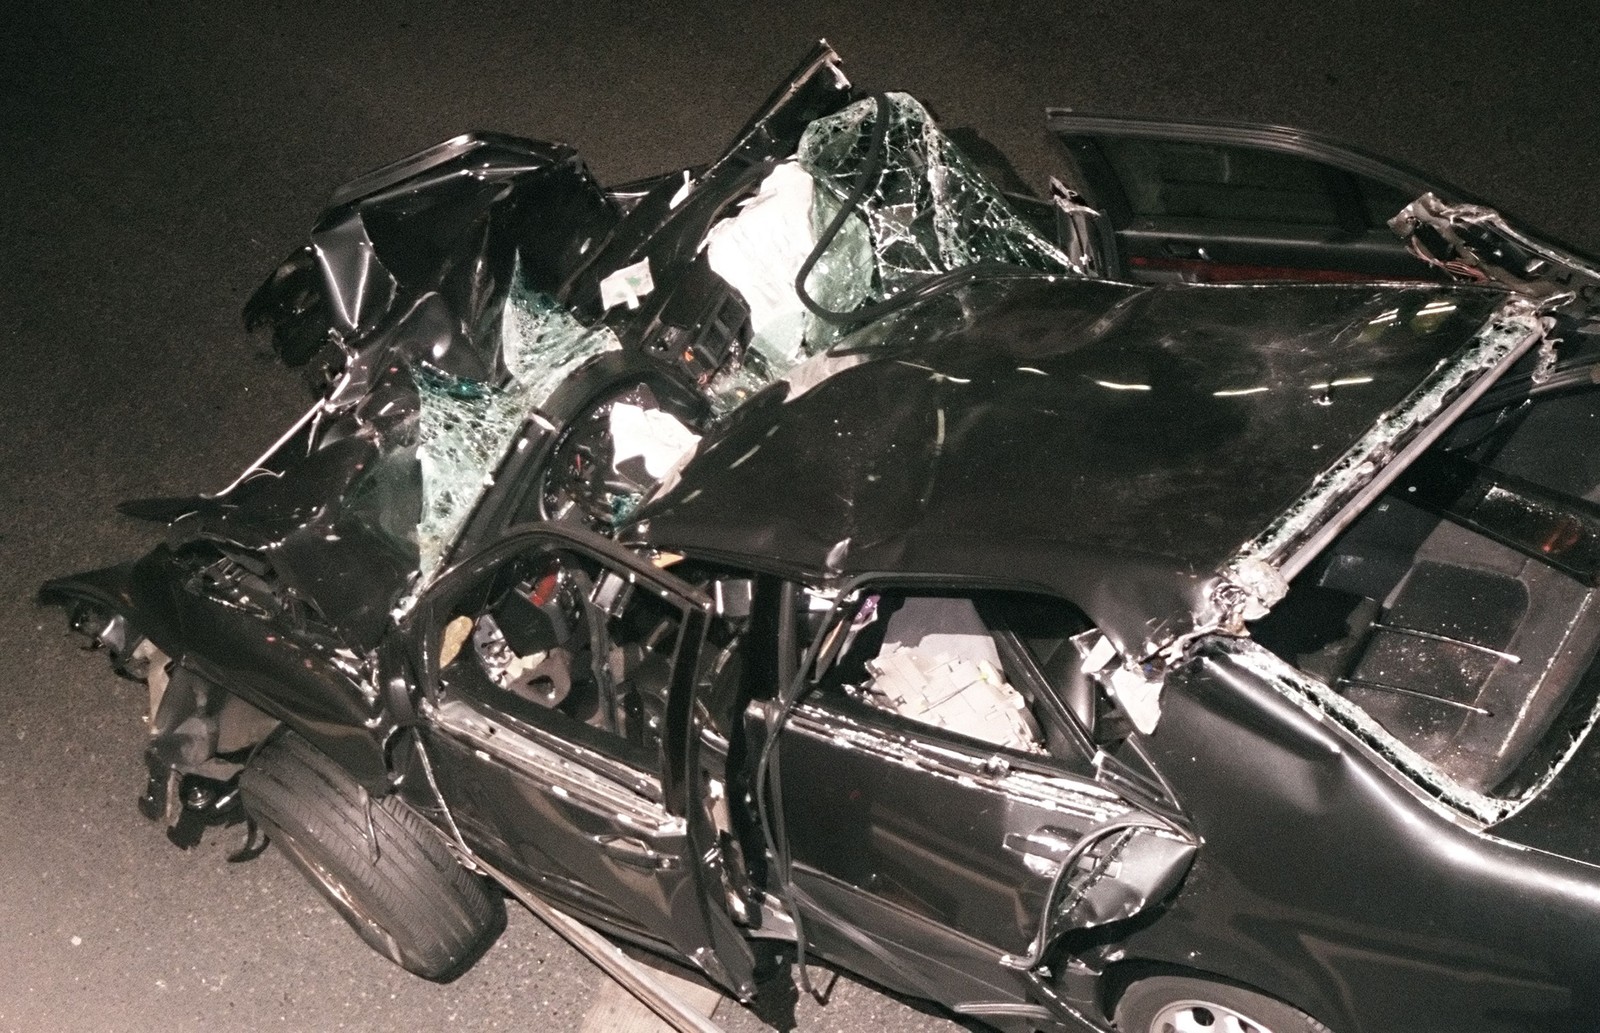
1203,1017
343,901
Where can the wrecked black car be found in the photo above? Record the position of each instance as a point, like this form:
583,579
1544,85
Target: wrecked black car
1168,605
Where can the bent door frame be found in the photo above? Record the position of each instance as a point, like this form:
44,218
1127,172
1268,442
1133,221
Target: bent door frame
702,930
1037,818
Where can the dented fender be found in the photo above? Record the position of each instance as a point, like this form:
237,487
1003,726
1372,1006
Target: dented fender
216,623
115,608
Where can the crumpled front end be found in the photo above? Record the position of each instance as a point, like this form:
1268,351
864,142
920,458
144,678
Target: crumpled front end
491,335
454,309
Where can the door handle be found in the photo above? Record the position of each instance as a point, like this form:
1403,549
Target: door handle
636,852
1043,849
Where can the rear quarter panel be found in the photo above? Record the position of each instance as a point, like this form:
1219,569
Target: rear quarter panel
1326,881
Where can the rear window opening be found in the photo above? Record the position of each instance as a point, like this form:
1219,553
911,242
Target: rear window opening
1459,612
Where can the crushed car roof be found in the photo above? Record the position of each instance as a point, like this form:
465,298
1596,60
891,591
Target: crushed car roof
1094,438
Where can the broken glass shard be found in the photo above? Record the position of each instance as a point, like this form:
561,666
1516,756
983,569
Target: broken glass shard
466,427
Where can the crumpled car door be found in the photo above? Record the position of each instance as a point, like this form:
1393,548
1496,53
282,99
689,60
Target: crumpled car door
935,864
1226,202
584,809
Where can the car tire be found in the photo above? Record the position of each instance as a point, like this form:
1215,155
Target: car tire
394,881
1182,1004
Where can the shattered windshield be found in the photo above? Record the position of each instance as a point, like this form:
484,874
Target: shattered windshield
924,210
927,210
443,301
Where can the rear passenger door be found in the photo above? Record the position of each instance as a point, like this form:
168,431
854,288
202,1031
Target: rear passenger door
943,821
1222,202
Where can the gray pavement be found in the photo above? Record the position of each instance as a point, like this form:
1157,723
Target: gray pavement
158,159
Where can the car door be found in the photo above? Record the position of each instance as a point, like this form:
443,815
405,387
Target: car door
557,669
941,845
1225,202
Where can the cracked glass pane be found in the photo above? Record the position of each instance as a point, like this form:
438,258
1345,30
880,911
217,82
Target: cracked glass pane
466,426
930,210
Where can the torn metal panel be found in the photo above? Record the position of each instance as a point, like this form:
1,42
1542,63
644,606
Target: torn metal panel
437,276
507,354
1137,870
1110,872
415,260
332,516
410,310
1108,443
1085,230
1473,242
1253,587
868,807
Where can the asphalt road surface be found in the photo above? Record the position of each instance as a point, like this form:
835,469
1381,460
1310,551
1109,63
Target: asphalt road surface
159,159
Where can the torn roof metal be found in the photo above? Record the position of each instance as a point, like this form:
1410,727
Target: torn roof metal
1115,443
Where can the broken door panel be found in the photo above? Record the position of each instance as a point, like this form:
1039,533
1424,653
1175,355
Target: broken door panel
911,840
1223,202
554,659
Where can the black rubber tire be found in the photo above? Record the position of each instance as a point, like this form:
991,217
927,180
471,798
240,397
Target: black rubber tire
416,905
1141,1006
